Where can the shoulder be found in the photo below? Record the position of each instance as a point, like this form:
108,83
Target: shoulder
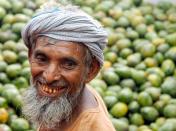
96,121
98,117
98,98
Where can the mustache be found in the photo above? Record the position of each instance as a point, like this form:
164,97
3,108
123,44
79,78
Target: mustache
39,80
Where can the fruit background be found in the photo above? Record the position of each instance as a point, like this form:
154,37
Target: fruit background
138,79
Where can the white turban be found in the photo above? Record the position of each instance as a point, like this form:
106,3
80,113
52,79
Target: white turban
67,25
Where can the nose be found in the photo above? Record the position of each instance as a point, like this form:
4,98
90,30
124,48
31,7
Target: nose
51,73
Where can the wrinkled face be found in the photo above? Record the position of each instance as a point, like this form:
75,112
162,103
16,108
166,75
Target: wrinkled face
57,67
59,71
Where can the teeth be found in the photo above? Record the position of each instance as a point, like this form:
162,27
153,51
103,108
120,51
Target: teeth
49,90
46,89
43,88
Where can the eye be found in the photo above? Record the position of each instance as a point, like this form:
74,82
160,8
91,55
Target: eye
69,64
40,58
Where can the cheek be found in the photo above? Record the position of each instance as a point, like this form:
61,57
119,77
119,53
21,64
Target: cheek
75,79
36,70
77,76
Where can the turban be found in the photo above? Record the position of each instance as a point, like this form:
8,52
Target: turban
67,25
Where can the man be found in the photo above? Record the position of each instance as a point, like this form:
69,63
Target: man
65,52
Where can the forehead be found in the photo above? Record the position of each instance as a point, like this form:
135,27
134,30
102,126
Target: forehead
56,46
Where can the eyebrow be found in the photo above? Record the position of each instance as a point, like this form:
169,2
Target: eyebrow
71,59
39,52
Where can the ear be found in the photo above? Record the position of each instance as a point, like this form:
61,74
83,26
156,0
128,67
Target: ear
93,70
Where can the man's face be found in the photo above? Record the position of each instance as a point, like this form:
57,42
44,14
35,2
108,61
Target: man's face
57,67
58,77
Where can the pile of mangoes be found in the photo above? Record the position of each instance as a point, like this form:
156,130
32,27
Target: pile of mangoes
138,79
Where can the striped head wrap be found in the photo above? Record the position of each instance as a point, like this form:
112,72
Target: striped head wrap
67,24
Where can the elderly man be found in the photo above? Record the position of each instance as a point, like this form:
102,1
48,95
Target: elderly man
65,52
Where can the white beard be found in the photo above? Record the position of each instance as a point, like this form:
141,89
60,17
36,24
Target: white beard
48,112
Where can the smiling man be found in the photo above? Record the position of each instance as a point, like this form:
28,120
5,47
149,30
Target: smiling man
65,53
